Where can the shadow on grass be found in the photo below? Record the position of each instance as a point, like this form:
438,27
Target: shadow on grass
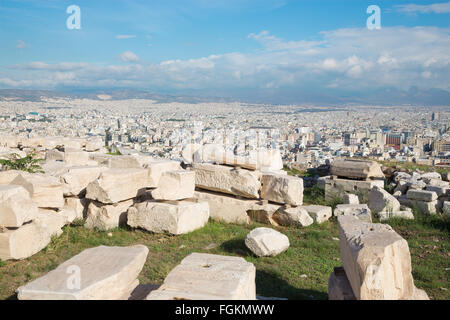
236,246
270,285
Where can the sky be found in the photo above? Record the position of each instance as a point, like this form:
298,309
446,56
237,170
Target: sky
274,51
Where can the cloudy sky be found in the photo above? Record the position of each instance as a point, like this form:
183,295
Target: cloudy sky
277,51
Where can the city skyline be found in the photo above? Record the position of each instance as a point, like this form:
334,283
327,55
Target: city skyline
265,51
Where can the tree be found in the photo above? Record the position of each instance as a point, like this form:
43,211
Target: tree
28,163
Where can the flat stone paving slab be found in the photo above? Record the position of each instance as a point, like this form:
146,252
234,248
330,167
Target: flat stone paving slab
105,273
202,276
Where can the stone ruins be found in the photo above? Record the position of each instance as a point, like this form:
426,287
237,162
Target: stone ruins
82,182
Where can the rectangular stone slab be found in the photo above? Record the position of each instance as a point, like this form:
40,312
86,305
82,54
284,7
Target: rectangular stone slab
356,169
227,180
105,273
174,217
202,276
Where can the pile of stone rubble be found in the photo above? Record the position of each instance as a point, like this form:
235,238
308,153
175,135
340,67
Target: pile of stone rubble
246,189
82,182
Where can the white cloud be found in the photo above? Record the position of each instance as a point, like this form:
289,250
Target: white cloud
343,59
21,44
430,8
128,56
125,36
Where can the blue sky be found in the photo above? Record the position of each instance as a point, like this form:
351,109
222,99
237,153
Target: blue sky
276,51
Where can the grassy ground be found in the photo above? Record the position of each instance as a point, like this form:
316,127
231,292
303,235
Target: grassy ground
314,251
413,166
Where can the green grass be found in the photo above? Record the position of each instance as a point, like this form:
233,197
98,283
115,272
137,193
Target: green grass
313,252
410,166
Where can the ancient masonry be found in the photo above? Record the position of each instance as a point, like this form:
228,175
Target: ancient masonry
81,182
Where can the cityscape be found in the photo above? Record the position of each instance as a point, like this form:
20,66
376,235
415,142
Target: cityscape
243,154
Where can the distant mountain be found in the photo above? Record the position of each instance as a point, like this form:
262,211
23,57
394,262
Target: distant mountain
113,94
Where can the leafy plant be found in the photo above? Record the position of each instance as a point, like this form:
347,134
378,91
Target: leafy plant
27,163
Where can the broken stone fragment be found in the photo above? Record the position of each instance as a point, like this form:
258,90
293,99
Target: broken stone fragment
376,260
292,217
106,217
265,242
16,206
116,185
282,189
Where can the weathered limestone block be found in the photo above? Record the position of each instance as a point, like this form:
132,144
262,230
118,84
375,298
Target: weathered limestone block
76,158
80,206
425,207
350,198
228,180
426,177
337,188
267,159
174,217
202,276
76,179
115,162
226,208
16,206
402,186
115,185
265,242
229,158
360,211
72,143
157,167
106,273
446,208
54,155
440,191
30,238
106,217
376,260
320,214
45,191
405,214
382,201
421,195
357,169
94,144
189,151
175,185
296,217
338,286
282,189
6,177
263,212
